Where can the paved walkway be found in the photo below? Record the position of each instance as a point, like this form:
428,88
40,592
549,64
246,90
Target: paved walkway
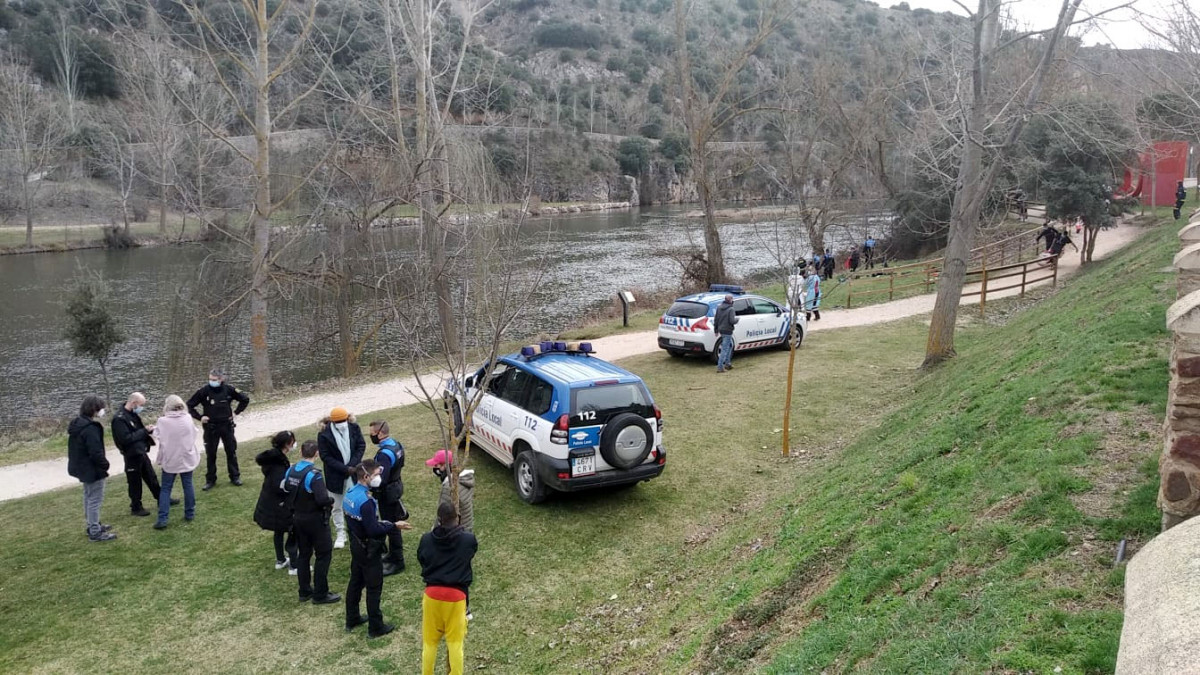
35,477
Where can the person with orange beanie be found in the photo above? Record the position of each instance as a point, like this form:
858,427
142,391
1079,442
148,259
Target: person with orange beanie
341,445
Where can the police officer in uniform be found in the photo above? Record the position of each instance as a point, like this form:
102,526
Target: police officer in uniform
310,503
367,533
216,399
391,460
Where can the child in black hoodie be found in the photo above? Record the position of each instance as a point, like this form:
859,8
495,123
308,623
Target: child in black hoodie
445,555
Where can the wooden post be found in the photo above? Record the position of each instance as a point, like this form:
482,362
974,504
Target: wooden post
983,291
1054,267
891,285
1024,270
849,290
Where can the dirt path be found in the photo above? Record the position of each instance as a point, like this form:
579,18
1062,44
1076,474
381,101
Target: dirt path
35,477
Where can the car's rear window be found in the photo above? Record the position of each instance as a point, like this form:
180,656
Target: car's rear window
611,398
688,309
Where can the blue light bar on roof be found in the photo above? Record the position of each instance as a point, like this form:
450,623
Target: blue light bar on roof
560,346
528,351
726,288
586,348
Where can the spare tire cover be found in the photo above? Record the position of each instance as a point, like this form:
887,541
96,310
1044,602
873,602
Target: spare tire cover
626,441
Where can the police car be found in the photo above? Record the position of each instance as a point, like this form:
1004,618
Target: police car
688,326
563,419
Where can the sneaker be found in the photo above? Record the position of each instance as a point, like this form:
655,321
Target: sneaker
208,486
160,525
383,630
139,513
103,536
236,481
327,600
720,371
280,564
105,528
340,542
189,518
470,616
728,366
293,572
305,598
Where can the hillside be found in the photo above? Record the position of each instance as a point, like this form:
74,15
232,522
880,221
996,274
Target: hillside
959,520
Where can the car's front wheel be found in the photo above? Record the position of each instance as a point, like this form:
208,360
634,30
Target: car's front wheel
530,487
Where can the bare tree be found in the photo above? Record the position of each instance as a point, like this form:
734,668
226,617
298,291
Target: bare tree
707,111
66,68
982,154
30,133
257,52
114,154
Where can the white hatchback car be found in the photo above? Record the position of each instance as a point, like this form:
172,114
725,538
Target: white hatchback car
687,327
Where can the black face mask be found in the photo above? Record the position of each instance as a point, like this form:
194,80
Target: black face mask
441,475
375,439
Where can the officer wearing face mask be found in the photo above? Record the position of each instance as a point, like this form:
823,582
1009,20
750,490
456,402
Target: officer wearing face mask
367,537
391,460
217,415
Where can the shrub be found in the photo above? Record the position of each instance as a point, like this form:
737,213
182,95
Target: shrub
675,147
571,35
655,95
652,129
633,156
566,56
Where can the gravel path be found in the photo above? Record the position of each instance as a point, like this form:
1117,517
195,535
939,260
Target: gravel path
21,480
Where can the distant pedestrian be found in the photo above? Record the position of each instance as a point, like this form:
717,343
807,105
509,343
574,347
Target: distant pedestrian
342,446
1180,198
133,439
855,259
217,417
311,502
86,461
830,264
271,513
1061,242
175,433
389,493
724,321
1049,234
869,252
445,555
812,296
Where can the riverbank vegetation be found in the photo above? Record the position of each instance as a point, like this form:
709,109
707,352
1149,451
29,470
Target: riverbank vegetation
958,519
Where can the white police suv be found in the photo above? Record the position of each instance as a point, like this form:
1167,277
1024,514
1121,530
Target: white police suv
688,326
563,419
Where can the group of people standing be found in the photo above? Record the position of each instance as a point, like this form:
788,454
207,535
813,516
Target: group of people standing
297,502
824,264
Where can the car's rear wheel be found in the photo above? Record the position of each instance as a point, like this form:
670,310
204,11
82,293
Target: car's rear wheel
716,352
530,487
626,441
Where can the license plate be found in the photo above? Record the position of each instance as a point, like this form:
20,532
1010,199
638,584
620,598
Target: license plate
675,343
583,466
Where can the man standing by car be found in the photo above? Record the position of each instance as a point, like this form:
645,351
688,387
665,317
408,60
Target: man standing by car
216,399
723,323
133,439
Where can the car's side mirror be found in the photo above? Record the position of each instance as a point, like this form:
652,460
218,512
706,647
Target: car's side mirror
469,382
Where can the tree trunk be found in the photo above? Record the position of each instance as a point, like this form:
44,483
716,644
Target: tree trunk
260,221
1090,248
714,253
162,199
964,213
342,303
27,198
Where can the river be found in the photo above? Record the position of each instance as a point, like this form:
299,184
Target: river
589,257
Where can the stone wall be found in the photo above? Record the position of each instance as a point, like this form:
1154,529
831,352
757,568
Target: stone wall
1179,466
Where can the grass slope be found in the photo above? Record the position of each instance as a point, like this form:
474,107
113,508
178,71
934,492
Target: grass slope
961,520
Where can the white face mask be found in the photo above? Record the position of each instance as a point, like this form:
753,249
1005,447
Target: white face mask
340,426
376,481
100,413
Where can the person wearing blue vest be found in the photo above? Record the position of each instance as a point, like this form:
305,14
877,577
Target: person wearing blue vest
367,534
391,460
309,500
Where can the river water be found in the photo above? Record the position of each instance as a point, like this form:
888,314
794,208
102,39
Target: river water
590,257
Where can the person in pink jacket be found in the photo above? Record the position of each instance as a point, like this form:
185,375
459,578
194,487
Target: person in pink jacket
175,435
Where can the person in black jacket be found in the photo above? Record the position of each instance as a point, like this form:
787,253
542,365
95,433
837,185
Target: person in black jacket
133,439
342,446
217,419
310,502
367,540
1180,198
445,555
1049,234
724,319
271,512
391,461
86,461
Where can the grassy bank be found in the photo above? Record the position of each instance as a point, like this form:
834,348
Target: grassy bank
960,520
